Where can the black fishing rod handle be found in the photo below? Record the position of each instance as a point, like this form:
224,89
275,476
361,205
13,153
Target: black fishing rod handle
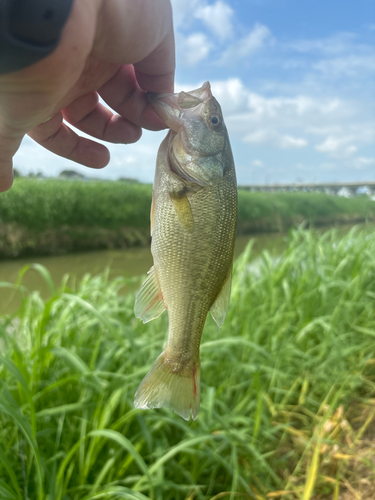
30,30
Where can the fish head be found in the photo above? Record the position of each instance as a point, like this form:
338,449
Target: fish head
198,133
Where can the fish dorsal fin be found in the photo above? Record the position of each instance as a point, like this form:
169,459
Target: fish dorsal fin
149,301
220,307
183,211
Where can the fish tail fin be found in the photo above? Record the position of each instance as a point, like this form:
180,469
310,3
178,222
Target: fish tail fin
165,386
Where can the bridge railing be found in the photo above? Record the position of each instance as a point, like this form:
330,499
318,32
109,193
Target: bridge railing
332,188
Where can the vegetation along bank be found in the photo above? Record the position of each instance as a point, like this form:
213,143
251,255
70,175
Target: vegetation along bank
288,387
48,216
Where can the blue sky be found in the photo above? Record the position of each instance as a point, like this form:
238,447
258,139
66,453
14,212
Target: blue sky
296,81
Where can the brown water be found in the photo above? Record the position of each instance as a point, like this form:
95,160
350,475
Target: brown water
130,262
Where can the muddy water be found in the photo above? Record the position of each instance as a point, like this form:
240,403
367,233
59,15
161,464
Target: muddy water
131,262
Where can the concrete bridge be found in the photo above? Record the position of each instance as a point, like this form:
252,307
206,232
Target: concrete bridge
335,188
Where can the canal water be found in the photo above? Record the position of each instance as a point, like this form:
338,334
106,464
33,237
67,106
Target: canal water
128,263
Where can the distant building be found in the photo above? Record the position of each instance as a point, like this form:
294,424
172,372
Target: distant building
345,192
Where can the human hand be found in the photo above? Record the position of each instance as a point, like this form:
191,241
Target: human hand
116,49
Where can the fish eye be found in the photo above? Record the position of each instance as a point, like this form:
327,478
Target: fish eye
215,120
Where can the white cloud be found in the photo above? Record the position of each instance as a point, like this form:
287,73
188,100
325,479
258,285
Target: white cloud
274,139
262,136
183,11
300,106
330,166
294,122
231,94
343,57
289,142
257,163
346,66
362,162
337,147
193,48
333,45
218,19
248,45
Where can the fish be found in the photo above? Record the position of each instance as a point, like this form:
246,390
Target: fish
193,229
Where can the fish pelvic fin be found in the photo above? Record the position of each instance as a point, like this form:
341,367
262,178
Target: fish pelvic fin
167,386
149,301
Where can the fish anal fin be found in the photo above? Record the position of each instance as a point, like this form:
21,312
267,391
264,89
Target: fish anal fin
149,301
183,211
166,386
220,307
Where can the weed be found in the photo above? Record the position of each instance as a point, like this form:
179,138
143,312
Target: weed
287,387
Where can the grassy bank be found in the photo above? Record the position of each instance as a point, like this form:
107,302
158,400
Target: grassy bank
268,212
52,216
288,388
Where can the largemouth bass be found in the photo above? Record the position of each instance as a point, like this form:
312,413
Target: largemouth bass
193,227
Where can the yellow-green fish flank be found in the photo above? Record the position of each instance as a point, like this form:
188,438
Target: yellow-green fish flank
193,227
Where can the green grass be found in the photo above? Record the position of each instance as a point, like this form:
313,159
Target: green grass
311,206
287,387
42,204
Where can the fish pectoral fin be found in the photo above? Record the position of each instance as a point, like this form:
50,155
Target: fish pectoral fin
220,307
149,301
183,211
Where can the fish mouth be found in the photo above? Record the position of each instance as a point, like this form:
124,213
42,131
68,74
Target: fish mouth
172,107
